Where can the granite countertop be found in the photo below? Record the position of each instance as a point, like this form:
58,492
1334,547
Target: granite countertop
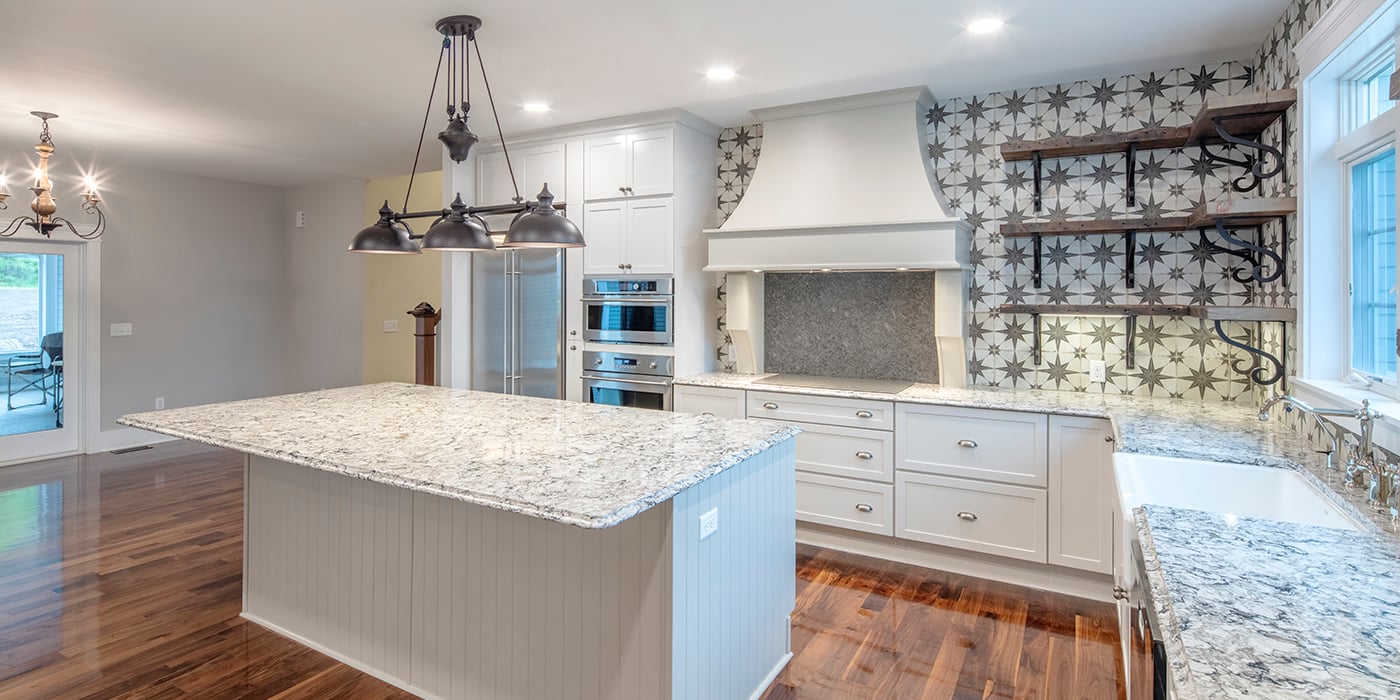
1248,608
581,464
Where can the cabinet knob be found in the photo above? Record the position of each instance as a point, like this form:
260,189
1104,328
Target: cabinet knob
965,515
622,190
707,413
573,332
864,414
865,507
1108,438
573,347
967,443
629,190
865,455
1120,593
629,266
770,405
620,266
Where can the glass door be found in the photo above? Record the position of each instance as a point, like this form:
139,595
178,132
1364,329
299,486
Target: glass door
39,333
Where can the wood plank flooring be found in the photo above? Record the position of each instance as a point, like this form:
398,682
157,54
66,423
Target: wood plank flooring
120,577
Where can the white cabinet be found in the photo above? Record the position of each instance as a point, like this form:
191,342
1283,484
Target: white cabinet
1083,513
629,237
535,166
852,413
847,503
708,401
1004,446
998,519
638,164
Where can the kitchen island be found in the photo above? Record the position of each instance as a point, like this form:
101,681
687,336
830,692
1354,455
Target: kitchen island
469,544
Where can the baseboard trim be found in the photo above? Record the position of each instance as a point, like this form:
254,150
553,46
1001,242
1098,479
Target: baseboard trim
1046,577
123,438
352,663
772,675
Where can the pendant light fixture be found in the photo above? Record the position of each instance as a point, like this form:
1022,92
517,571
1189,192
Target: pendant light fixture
537,223
44,207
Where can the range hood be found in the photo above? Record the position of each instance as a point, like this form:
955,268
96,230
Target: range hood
843,184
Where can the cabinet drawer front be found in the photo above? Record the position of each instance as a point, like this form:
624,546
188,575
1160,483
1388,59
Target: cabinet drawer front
709,401
1004,446
1007,521
849,452
855,505
797,408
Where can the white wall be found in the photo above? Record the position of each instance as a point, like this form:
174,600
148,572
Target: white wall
198,266
325,294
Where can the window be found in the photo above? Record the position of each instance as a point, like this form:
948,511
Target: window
1370,88
1372,229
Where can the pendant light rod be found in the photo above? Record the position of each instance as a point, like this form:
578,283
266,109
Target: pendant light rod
418,152
505,150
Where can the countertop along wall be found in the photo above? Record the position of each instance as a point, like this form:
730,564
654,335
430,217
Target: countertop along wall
1180,358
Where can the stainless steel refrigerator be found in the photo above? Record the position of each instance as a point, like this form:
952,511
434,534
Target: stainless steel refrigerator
518,322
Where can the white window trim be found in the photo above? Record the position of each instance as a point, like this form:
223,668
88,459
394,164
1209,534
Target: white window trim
1345,38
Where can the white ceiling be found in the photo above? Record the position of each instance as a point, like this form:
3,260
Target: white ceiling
300,91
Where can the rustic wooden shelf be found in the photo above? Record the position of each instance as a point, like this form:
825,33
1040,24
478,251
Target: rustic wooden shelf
1257,372
1243,213
1114,142
1248,115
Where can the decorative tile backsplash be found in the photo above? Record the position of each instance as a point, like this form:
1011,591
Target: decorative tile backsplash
1173,357
870,325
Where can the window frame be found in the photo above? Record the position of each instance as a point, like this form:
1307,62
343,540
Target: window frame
1348,161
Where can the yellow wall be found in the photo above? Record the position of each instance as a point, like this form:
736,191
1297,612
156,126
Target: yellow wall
396,283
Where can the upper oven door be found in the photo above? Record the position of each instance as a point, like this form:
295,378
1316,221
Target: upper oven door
636,393
640,320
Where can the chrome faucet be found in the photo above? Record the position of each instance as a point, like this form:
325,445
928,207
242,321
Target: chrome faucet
1364,467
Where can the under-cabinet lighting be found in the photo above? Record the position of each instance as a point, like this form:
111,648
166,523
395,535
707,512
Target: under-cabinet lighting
986,25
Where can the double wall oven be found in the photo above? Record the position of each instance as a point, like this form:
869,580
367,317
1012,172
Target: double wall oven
635,312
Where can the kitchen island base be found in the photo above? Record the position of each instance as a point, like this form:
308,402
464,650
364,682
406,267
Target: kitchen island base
449,599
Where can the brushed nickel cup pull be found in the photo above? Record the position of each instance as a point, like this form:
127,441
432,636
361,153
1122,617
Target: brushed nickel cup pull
770,405
967,516
865,455
865,507
707,413
864,414
967,443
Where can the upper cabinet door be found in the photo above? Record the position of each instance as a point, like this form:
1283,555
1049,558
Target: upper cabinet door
605,167
605,232
650,239
493,184
534,167
650,165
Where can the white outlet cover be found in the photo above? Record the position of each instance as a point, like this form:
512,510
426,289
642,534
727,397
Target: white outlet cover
709,523
1098,371
121,330
391,326
160,402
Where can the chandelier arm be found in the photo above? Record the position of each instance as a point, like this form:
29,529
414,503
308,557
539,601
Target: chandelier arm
13,227
97,230
492,101
446,42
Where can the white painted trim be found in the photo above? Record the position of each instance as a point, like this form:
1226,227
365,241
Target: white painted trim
669,117
1333,29
773,674
917,94
347,660
1043,577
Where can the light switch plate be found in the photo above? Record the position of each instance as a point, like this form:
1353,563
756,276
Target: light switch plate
121,329
391,326
709,523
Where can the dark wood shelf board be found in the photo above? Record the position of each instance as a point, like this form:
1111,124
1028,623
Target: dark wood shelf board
1266,106
1081,228
1255,211
1209,313
1070,146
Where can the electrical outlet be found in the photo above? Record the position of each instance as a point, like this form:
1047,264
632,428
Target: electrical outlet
709,523
1098,371
121,329
160,402
301,219
391,326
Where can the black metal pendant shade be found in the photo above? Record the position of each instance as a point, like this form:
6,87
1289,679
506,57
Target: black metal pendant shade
385,236
458,139
458,231
543,227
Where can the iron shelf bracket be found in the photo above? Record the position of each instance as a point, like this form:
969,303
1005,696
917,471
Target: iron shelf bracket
1035,339
1035,179
1257,371
1131,184
1257,256
1130,258
1254,162
1130,342
1037,271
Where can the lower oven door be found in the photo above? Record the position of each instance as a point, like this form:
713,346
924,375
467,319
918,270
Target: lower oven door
626,391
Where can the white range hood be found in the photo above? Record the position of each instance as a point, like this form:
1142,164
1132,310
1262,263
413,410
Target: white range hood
841,185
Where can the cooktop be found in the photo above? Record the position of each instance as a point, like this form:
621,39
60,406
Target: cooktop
874,386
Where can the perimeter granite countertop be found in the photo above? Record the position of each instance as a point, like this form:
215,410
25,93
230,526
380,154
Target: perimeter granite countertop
580,464
1248,608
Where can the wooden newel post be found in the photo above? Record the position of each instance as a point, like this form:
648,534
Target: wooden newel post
426,333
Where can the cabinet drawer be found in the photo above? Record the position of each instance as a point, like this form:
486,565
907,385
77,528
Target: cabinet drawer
855,505
798,408
850,452
1007,521
709,401
1004,446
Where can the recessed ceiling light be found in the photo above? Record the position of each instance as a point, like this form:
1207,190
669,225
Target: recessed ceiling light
720,73
536,107
986,25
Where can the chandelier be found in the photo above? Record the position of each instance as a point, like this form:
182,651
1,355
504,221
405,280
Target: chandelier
44,206
537,223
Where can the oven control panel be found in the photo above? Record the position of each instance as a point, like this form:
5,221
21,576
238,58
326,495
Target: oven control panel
628,286
627,363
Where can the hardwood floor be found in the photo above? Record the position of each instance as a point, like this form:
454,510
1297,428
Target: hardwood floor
120,577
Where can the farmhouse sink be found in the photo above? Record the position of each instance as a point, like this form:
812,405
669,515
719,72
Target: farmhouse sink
1231,490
